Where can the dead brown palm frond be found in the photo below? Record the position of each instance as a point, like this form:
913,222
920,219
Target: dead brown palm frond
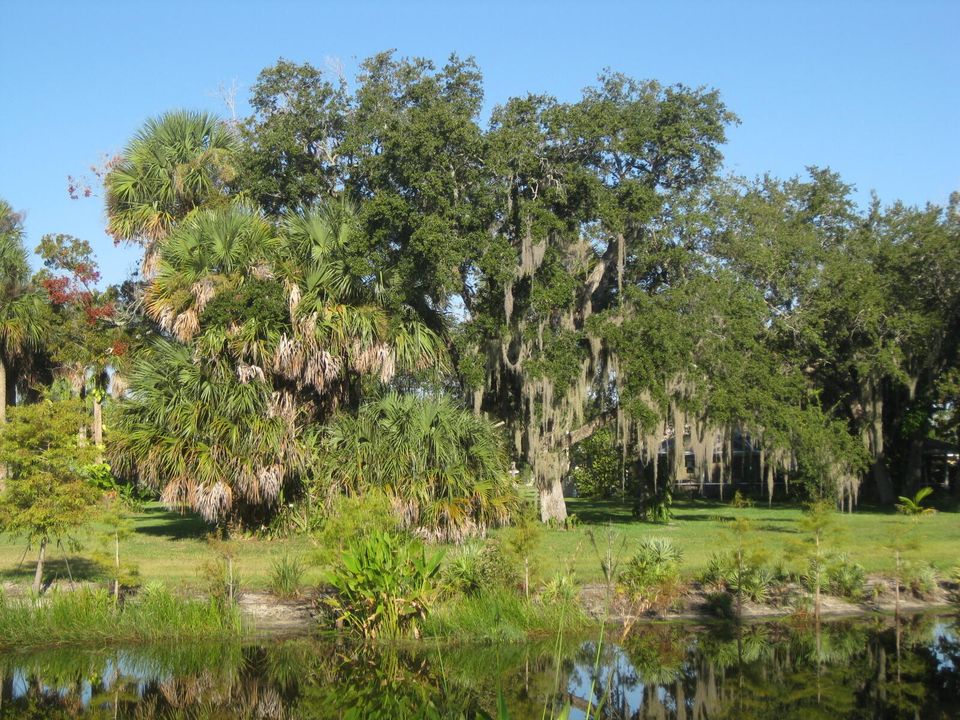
186,325
203,292
246,373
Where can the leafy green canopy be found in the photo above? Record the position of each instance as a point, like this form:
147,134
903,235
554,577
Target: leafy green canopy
47,494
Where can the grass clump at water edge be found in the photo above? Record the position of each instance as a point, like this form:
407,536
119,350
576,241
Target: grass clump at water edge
500,615
90,615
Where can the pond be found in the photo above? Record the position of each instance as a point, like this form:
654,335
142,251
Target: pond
867,668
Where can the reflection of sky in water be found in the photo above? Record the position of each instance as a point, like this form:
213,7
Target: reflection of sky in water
126,667
615,671
942,631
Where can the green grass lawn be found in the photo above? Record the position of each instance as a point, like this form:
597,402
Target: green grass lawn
699,529
166,546
173,548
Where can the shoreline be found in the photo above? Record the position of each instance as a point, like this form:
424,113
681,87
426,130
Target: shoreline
264,616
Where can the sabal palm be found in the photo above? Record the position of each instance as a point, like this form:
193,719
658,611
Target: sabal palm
444,467
342,321
204,437
175,163
21,306
211,254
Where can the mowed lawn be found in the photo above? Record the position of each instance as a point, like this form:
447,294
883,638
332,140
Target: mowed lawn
173,548
701,528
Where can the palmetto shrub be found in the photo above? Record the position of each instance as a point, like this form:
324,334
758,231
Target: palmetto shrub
748,578
845,578
651,577
384,586
443,468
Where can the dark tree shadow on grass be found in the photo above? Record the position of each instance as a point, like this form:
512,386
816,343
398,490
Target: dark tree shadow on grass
160,522
56,569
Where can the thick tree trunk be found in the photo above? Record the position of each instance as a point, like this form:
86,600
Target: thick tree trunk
552,505
883,481
38,577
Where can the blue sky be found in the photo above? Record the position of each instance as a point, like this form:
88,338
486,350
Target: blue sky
871,89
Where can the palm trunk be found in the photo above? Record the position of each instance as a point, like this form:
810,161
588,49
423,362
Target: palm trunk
38,577
97,420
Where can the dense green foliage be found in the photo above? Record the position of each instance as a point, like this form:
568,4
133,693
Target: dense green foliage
443,469
384,585
353,287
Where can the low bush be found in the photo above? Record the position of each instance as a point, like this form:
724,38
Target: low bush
384,586
561,589
651,578
749,579
479,567
922,580
845,578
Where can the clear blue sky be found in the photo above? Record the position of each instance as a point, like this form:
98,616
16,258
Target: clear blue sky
871,89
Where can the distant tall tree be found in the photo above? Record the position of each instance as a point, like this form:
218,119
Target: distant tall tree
87,343
21,306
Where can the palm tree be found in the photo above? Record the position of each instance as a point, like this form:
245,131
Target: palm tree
344,326
443,467
914,506
21,307
206,438
266,330
173,165
213,256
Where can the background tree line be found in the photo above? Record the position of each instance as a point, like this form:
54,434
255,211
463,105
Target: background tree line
561,268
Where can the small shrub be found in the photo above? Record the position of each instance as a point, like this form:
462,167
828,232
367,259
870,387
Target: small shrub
295,519
741,501
654,507
922,581
749,579
220,580
651,577
350,519
720,604
477,568
384,586
561,589
846,578
718,570
754,582
286,578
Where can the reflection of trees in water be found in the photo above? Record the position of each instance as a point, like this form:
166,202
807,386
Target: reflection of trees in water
781,671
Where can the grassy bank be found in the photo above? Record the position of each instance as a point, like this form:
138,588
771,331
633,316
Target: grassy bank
500,615
172,548
89,617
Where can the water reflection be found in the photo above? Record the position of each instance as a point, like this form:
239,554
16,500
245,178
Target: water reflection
864,669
